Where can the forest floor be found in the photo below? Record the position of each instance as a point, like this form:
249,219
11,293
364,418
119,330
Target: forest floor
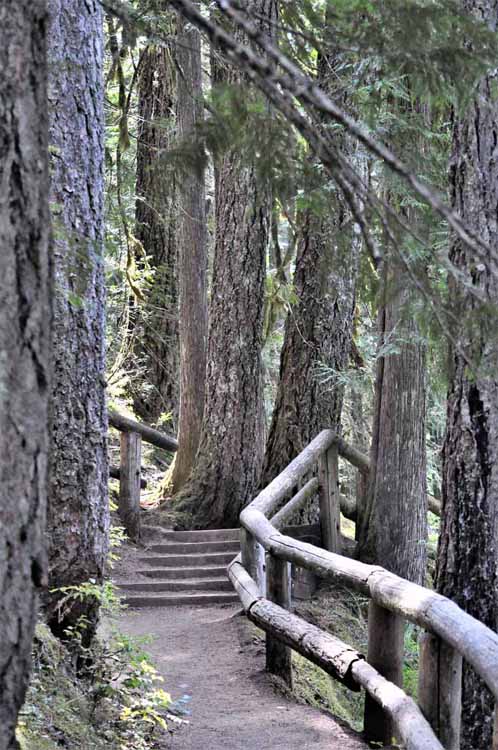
213,659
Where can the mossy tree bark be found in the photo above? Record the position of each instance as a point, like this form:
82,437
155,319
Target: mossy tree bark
78,510
25,319
228,464
468,546
155,321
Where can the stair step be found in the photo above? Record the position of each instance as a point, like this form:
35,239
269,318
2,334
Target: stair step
208,571
186,584
175,600
166,561
211,535
192,548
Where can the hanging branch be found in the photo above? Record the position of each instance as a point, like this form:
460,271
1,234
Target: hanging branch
292,83
306,91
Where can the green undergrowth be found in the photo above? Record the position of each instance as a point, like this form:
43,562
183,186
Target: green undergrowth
344,614
119,704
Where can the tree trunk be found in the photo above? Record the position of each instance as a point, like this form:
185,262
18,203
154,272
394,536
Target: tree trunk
229,458
192,272
393,526
393,519
319,327
156,391
360,438
318,332
25,293
78,512
468,546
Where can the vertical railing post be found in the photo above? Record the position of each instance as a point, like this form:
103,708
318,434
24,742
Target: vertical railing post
278,655
385,654
129,483
253,559
328,476
440,689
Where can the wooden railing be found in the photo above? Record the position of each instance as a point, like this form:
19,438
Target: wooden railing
433,722
130,467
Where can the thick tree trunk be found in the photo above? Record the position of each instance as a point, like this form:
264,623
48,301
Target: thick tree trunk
25,291
393,521
192,271
230,452
156,390
78,511
318,333
468,546
393,526
319,327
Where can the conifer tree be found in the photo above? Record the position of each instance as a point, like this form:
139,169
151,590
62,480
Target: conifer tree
155,318
229,457
78,510
25,372
192,259
468,547
319,326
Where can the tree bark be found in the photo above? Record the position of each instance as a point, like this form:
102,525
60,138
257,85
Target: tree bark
393,521
393,525
155,326
192,271
318,331
25,293
229,458
319,327
78,511
468,546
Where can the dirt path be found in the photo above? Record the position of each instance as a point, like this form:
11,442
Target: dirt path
212,655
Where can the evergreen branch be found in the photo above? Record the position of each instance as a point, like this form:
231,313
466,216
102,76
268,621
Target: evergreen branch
306,91
279,86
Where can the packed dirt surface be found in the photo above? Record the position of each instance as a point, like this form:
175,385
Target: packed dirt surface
214,656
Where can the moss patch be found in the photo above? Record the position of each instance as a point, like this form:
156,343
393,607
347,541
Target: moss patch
344,614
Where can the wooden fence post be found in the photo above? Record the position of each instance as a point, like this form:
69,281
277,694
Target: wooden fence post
328,476
278,655
385,654
440,689
253,559
129,483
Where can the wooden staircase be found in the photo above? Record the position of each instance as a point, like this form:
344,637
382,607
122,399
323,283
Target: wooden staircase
184,568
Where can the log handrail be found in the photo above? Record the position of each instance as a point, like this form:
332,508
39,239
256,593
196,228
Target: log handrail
149,434
115,473
129,470
439,616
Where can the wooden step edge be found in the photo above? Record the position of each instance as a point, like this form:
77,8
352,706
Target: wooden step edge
161,599
183,581
208,534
